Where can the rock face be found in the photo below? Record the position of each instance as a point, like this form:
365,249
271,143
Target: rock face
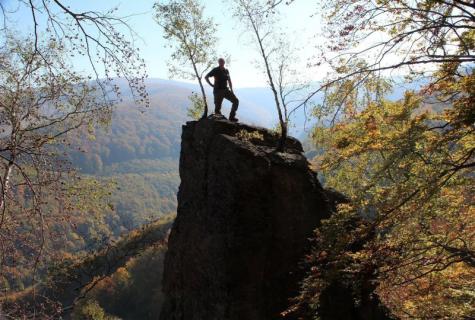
245,214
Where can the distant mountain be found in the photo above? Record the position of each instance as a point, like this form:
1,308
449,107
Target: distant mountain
139,151
256,105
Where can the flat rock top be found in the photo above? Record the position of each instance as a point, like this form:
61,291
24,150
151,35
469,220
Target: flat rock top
258,136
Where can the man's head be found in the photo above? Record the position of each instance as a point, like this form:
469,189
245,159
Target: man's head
221,62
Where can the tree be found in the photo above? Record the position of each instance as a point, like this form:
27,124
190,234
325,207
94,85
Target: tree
407,165
277,57
91,310
42,100
192,36
365,40
197,107
103,38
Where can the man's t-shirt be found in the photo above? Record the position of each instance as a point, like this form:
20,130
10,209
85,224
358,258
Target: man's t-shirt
221,77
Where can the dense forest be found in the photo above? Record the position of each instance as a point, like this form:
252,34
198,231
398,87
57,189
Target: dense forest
89,147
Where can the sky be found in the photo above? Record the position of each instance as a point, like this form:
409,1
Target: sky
296,20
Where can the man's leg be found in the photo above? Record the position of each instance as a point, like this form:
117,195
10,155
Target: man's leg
218,101
235,101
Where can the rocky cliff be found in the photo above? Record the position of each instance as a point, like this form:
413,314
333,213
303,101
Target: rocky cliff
245,213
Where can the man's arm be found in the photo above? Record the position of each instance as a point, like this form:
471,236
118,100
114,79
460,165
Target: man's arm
210,74
230,83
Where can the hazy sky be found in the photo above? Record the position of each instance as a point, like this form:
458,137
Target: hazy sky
296,20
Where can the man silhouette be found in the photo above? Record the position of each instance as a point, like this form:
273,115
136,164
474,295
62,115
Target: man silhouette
221,90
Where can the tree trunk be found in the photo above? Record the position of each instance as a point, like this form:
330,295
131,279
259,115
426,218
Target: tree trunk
198,76
283,124
205,111
5,187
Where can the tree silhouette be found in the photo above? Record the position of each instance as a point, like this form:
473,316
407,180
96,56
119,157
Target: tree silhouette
192,36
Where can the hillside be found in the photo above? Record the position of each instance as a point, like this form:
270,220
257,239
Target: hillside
139,151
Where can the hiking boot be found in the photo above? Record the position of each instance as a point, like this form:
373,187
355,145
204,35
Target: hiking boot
233,119
218,113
